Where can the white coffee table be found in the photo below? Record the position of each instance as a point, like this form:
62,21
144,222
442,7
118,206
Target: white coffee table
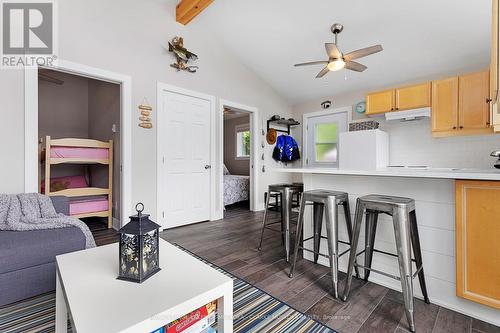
88,289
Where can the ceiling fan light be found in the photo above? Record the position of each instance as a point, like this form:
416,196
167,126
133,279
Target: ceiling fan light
336,65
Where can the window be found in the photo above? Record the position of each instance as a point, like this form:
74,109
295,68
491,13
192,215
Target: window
321,137
325,143
242,142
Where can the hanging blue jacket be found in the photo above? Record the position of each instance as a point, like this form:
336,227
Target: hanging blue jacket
286,149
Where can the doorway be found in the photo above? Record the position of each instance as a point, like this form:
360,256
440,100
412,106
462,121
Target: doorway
239,146
321,137
84,113
32,135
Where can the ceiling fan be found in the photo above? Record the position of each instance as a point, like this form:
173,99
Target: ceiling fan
336,60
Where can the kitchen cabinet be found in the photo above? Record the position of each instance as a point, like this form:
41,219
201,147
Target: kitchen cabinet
473,106
380,102
495,68
444,105
460,105
399,99
477,235
413,97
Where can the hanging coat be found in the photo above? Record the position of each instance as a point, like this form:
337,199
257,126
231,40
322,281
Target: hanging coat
286,149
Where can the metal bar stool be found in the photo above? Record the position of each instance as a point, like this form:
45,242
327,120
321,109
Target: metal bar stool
297,196
286,192
274,206
404,219
324,200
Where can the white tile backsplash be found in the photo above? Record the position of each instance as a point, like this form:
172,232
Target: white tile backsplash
411,143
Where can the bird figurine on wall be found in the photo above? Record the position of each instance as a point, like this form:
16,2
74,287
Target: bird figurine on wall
176,46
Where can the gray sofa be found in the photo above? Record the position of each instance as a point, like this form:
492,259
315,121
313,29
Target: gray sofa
27,258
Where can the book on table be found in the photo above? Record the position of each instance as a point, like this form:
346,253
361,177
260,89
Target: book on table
197,321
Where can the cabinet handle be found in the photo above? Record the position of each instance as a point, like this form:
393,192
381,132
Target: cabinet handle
397,109
489,100
461,127
454,127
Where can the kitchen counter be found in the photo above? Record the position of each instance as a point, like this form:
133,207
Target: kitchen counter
438,173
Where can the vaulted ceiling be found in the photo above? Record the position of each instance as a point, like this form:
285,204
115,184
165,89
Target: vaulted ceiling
421,39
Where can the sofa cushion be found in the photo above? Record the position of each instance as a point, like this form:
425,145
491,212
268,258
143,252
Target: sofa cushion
22,249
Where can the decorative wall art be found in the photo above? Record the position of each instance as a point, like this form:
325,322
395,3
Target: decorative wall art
182,55
145,111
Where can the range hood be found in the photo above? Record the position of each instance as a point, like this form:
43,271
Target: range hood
408,115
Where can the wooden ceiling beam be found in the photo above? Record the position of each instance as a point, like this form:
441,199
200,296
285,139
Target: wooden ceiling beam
187,10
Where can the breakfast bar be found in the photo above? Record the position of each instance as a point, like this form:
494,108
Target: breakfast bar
447,201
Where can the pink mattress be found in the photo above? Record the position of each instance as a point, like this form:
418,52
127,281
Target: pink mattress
89,205
79,152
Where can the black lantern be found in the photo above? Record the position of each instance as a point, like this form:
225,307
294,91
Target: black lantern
139,248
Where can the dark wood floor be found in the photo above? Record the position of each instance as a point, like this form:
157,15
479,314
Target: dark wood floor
231,244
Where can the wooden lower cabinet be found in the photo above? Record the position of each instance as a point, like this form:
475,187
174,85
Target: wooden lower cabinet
478,241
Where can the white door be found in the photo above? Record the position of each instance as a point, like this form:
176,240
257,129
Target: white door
184,147
323,139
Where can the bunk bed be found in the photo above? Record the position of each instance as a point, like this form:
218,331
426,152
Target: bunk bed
85,200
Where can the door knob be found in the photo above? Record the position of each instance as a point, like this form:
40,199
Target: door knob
207,166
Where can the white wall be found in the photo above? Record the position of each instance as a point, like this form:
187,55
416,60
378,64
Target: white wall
128,37
235,166
412,142
63,108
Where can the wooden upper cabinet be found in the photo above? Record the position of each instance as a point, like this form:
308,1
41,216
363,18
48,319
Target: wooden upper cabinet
444,105
477,235
380,102
474,109
413,97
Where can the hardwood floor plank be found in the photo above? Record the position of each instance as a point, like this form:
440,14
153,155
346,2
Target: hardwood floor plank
325,309
358,308
385,318
452,322
425,314
483,327
306,298
234,265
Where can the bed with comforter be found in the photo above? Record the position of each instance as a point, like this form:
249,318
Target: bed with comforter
236,188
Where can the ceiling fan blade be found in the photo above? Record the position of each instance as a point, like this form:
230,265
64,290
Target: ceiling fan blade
312,63
362,52
323,72
333,51
355,66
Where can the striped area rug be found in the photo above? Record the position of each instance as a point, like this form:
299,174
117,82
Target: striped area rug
254,311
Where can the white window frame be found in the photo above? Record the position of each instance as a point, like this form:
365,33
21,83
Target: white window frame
237,129
305,126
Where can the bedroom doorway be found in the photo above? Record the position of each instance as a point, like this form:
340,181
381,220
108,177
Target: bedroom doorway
239,147
103,90
79,139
